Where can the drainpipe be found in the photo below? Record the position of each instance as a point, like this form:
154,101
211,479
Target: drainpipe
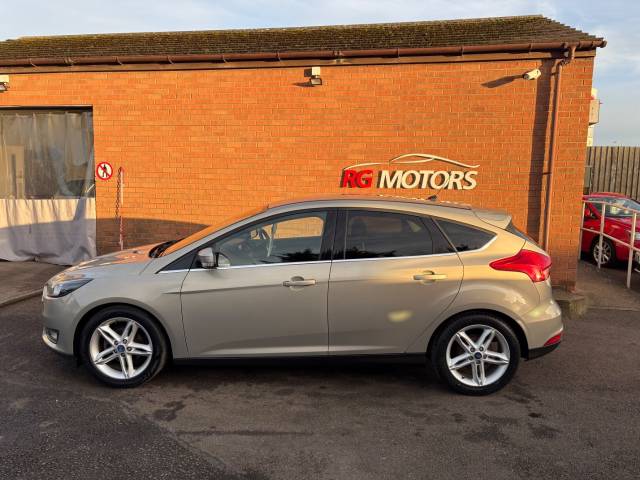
569,55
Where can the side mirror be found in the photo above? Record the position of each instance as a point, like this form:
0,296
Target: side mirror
207,258
222,261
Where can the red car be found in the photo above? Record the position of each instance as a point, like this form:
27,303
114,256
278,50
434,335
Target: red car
617,224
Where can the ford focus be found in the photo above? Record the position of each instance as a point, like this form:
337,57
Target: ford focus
328,278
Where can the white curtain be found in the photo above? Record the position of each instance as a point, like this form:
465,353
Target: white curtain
47,191
56,230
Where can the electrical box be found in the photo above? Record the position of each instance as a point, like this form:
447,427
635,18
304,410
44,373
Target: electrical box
594,111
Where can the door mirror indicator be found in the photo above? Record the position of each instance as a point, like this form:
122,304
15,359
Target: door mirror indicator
207,258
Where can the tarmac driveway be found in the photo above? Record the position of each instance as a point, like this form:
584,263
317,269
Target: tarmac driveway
572,414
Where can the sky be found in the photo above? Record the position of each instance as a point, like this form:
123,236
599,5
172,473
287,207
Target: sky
617,72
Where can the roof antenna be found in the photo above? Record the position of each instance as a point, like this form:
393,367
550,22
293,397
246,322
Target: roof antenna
433,198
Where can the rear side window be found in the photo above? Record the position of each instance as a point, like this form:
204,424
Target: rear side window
465,237
385,234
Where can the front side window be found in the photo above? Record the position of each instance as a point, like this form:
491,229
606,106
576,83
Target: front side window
174,246
293,238
372,234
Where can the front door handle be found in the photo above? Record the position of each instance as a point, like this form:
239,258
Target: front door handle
299,282
429,276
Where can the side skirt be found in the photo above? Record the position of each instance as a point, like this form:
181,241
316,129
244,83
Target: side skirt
390,358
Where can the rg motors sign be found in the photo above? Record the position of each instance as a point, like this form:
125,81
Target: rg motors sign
411,174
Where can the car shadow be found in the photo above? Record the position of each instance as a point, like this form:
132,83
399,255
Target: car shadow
299,373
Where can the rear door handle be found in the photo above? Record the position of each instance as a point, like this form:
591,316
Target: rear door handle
298,282
429,276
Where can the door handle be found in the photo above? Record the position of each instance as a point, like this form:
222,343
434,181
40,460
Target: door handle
299,282
429,276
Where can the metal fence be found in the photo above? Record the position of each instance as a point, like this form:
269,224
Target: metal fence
613,169
634,251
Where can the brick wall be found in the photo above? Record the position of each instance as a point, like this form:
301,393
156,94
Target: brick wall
198,146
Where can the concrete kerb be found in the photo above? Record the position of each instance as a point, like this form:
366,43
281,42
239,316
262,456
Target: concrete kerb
573,305
20,298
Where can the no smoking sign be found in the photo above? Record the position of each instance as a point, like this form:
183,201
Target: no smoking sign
104,171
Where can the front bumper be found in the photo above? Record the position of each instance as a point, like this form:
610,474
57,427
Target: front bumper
59,314
53,345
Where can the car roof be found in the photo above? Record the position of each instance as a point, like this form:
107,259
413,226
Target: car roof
347,198
606,194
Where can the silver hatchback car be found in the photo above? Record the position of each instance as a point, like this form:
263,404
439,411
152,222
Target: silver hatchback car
329,277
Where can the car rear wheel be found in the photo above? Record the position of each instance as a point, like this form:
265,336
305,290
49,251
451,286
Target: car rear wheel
608,252
123,346
476,354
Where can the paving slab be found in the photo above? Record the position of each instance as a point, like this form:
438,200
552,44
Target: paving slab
21,280
606,288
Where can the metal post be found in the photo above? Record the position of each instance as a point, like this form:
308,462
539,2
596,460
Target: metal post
604,212
119,205
584,207
631,251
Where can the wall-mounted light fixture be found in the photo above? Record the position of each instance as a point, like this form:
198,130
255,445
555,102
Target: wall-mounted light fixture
4,83
313,73
532,74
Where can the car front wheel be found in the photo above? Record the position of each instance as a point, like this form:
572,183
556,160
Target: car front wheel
123,346
476,354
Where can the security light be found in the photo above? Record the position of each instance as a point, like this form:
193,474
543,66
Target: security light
4,83
532,74
313,74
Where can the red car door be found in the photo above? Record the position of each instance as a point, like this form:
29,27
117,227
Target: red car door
592,222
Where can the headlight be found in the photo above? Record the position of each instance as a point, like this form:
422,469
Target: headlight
56,289
637,236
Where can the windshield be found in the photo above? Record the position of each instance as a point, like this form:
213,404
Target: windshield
209,230
621,207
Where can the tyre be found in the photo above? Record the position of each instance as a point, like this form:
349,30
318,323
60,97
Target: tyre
608,252
123,346
476,354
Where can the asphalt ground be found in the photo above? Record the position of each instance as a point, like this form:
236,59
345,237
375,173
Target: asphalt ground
572,414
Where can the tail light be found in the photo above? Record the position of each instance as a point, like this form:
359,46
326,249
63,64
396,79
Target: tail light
557,338
534,264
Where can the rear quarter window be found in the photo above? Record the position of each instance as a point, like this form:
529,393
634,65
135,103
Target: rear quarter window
511,228
465,237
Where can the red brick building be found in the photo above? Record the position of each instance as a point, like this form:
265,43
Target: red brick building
207,124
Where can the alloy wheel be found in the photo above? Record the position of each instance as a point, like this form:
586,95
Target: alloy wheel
120,348
478,355
606,252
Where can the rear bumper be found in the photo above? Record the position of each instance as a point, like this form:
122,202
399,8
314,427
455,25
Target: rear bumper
540,351
541,324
